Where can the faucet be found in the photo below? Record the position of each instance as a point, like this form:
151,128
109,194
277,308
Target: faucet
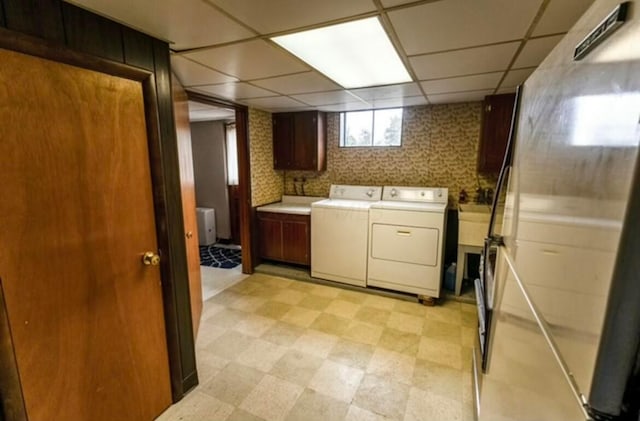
484,196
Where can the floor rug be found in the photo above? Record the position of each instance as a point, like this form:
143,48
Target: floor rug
218,257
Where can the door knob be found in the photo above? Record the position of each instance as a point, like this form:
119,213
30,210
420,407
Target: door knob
150,259
189,234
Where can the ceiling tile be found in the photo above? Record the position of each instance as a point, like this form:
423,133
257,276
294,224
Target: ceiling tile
297,84
407,101
390,91
459,97
461,84
324,98
274,102
190,73
391,3
535,50
516,77
464,62
509,90
235,90
560,16
280,15
197,106
450,24
186,23
255,59
203,112
347,106
211,114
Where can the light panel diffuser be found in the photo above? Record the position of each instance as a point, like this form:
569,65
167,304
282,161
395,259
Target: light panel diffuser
354,54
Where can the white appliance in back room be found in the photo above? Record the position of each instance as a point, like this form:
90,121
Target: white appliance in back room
206,219
406,239
339,234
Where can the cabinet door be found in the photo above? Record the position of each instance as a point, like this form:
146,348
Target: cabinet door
283,141
496,122
295,239
270,231
305,141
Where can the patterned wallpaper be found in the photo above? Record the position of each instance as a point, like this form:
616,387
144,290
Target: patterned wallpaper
266,183
439,149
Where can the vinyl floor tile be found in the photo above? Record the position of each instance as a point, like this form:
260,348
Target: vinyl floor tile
352,353
427,406
233,384
297,367
336,380
272,398
382,396
314,406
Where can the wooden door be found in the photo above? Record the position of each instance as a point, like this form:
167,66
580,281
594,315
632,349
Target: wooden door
188,193
76,216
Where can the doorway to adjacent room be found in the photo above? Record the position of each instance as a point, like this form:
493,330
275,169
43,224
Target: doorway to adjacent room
216,179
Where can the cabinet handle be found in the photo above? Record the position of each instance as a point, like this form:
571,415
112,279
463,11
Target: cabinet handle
488,108
404,233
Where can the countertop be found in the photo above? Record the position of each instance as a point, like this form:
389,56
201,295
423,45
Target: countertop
296,205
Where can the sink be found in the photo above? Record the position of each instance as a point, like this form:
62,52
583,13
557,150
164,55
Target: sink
474,208
474,212
473,223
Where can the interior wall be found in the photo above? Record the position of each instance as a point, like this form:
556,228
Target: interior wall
266,183
210,171
439,148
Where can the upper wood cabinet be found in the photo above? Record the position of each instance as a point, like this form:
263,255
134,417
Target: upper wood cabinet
496,122
299,141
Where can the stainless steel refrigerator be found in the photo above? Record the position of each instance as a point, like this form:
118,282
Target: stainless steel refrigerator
559,295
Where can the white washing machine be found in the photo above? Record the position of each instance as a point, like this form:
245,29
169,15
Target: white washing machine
340,234
406,239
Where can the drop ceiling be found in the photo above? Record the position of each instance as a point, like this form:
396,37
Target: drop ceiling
455,50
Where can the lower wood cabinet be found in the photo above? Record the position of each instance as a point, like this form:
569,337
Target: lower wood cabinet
285,237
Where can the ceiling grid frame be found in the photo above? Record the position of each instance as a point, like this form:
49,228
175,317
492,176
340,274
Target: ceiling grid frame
272,79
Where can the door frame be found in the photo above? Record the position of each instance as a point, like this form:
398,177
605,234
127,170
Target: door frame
244,172
180,342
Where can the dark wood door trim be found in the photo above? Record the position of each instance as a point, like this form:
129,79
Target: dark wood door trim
26,44
180,340
244,174
12,405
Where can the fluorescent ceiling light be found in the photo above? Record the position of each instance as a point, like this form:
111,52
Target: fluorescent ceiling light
353,54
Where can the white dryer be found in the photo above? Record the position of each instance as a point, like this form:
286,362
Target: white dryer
406,239
340,233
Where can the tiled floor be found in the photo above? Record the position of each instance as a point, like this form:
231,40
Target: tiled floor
271,348
215,280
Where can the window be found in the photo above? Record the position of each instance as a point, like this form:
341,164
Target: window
232,155
371,128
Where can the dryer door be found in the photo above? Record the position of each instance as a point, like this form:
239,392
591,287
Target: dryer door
405,244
